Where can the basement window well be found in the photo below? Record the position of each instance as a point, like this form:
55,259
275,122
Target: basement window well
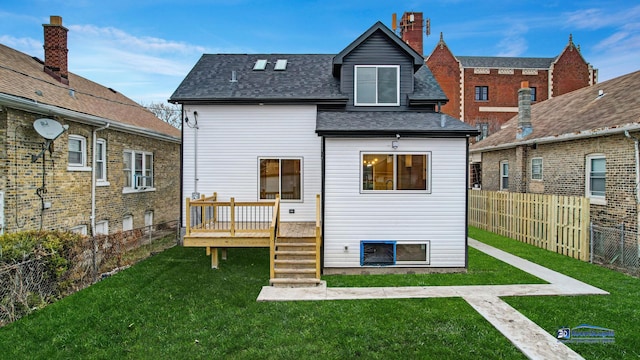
387,252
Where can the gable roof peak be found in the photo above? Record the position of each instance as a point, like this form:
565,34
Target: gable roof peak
417,58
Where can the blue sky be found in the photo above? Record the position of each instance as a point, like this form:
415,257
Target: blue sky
144,48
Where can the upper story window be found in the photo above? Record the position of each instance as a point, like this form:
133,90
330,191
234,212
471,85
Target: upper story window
482,93
504,175
596,175
377,85
533,93
77,152
536,169
137,168
101,161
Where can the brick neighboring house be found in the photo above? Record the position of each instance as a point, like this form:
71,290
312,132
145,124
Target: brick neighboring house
482,90
584,143
137,156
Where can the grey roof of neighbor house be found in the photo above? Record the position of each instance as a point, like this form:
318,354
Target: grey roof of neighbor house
579,114
22,78
404,123
306,77
505,62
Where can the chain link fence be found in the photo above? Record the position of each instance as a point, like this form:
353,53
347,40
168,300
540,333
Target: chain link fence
29,285
616,248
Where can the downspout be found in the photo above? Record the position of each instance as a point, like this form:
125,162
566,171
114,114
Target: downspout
93,179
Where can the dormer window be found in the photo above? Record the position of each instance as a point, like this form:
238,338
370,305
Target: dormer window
377,85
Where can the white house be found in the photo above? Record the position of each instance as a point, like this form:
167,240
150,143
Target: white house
361,128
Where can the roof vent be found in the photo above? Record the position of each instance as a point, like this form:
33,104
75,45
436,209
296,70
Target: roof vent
600,94
234,77
260,64
281,65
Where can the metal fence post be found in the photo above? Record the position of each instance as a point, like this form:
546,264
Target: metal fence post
591,242
622,244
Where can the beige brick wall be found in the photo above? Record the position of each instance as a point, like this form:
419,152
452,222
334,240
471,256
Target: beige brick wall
69,192
564,174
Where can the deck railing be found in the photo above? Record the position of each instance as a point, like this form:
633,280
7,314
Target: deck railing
209,215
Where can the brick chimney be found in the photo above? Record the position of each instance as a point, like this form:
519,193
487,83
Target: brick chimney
411,27
55,49
524,111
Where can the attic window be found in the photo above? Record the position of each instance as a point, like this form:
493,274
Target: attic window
260,64
281,65
377,85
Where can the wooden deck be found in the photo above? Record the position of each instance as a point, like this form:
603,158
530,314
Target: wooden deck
248,238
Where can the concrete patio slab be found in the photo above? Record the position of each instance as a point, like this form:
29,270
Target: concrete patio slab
532,340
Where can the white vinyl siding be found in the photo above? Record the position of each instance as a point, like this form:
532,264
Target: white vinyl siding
407,218
232,139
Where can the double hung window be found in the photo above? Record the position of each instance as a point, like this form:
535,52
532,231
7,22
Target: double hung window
482,93
77,152
137,169
596,175
504,175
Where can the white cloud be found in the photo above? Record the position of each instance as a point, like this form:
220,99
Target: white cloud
513,42
593,19
28,46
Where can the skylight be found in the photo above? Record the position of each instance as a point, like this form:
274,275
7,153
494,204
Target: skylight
281,65
260,64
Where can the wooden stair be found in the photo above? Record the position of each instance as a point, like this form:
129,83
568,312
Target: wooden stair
295,262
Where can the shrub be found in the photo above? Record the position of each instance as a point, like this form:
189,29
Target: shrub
56,248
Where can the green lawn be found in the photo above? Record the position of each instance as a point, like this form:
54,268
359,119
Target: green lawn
173,306
619,311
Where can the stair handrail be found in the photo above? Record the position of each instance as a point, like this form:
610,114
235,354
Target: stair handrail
274,230
318,235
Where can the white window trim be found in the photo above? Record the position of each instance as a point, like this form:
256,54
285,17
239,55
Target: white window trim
135,189
127,218
541,169
301,200
594,199
80,229
83,147
103,181
104,223
355,85
502,175
395,175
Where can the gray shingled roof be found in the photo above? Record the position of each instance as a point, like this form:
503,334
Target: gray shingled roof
425,86
505,62
411,123
306,77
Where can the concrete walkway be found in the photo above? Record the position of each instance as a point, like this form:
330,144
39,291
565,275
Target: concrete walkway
527,336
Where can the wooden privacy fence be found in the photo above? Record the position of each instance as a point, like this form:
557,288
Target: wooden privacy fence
552,222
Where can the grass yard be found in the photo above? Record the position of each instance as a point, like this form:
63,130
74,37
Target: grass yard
619,311
173,306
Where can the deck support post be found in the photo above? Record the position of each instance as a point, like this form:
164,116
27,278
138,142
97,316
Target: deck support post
214,258
224,253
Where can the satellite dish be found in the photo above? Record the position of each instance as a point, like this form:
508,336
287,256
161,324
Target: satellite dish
49,128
